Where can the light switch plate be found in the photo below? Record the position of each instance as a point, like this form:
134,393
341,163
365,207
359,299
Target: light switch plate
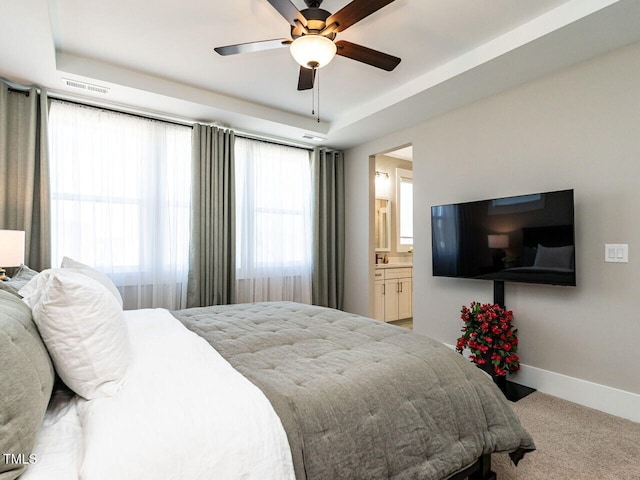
616,253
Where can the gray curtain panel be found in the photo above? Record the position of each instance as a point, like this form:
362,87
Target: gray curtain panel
328,228
212,254
24,170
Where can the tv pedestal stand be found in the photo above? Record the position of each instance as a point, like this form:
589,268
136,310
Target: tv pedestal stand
514,391
498,292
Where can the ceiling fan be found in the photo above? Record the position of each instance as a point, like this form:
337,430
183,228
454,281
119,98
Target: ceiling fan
313,33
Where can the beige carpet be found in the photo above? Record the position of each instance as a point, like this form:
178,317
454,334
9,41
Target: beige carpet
573,443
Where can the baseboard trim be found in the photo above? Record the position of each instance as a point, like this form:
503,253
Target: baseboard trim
593,395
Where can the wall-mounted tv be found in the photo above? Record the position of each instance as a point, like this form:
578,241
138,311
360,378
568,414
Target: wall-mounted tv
526,238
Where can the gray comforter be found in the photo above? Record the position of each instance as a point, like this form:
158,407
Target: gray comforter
360,399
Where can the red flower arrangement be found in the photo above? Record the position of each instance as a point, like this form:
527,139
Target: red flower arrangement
489,334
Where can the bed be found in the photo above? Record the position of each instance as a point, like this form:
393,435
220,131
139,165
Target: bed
267,391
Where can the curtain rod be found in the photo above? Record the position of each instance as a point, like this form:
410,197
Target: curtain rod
117,107
282,143
56,98
177,120
18,87
73,99
26,93
70,98
187,123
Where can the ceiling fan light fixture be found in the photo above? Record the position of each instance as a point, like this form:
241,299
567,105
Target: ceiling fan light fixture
313,51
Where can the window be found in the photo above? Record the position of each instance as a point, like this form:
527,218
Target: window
273,222
404,189
120,194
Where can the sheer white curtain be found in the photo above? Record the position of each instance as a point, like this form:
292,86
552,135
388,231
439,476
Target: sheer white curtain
121,189
273,222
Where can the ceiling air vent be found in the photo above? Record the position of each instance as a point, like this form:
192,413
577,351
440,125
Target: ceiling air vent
85,86
309,136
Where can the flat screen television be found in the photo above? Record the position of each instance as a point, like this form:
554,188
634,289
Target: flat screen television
526,238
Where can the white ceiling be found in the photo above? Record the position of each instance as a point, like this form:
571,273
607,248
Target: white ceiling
158,57
405,153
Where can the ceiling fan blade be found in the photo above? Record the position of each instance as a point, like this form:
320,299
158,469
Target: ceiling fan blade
355,11
367,55
306,79
253,46
289,11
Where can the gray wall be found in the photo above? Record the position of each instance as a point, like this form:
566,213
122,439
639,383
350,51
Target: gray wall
578,128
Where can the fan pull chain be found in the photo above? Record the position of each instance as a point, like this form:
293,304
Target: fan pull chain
318,73
315,75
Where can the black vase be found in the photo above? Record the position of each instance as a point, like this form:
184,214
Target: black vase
499,380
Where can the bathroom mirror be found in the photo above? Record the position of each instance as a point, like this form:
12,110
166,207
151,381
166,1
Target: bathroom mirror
383,225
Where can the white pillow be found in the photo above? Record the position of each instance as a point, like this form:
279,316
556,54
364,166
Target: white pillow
83,327
93,273
34,289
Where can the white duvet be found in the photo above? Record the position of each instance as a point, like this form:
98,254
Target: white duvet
183,413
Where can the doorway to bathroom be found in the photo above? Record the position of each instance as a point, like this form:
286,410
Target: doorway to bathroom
393,245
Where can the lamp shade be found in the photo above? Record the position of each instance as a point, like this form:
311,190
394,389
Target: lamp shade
11,248
313,51
498,241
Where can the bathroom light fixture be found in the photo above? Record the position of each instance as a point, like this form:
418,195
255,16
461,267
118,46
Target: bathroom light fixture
382,184
313,51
